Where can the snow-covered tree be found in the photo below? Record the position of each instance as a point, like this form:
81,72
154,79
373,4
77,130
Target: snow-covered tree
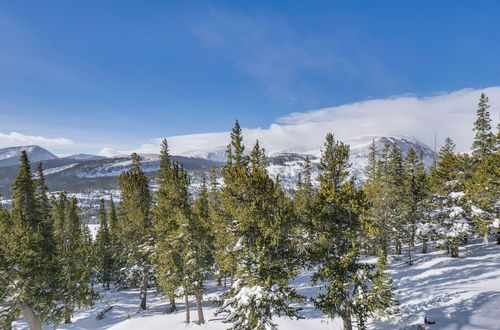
448,218
265,259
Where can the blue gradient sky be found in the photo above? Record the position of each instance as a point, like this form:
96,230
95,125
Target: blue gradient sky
118,73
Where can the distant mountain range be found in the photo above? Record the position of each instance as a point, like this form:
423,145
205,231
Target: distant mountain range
81,173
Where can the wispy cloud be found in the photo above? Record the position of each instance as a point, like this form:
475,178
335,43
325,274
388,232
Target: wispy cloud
445,114
19,139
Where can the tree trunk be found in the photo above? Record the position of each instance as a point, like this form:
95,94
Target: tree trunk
144,289
485,238
172,307
498,237
424,245
225,281
454,251
186,301
347,322
410,248
219,281
67,320
199,307
30,316
398,247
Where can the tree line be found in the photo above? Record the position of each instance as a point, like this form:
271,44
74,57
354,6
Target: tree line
247,234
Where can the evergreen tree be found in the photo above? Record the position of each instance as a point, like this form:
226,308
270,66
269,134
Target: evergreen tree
304,190
201,247
484,140
112,218
104,249
74,260
377,221
415,192
483,190
395,198
264,256
8,312
167,255
135,226
30,255
353,289
217,233
448,216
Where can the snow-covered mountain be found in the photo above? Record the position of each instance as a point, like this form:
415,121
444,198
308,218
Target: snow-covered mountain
74,173
84,157
289,165
10,156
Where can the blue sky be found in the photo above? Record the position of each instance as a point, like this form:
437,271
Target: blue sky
120,73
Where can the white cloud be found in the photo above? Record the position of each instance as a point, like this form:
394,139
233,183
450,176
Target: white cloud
446,114
19,139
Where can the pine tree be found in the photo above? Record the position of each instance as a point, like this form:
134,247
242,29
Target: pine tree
42,194
8,313
135,225
218,234
112,218
395,198
377,221
74,260
353,289
448,216
264,257
482,191
30,255
484,140
200,231
415,192
193,235
167,256
104,249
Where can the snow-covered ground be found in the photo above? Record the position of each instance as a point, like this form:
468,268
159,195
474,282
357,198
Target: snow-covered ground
457,294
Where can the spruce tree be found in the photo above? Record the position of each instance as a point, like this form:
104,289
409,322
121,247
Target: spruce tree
74,260
377,221
112,217
482,191
415,192
135,226
201,238
395,198
104,249
354,290
217,235
448,214
484,140
8,313
33,276
264,257
167,256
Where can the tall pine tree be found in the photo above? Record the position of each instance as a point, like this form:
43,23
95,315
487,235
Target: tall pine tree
135,226
352,289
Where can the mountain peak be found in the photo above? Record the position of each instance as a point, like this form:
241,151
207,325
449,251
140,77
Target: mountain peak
10,156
